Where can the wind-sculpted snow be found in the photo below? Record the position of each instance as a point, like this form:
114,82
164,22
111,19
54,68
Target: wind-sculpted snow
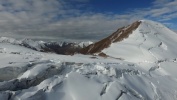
147,70
96,81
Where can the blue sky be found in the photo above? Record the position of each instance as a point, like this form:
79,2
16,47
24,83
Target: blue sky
118,6
79,19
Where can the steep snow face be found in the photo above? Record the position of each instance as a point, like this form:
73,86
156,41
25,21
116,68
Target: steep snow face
151,45
150,42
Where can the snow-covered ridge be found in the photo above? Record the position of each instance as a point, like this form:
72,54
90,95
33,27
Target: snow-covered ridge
151,41
23,42
56,47
119,35
9,40
123,34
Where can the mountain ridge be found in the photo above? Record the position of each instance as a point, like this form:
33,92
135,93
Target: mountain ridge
119,35
65,48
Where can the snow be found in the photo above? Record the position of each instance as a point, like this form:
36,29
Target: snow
150,42
149,35
85,44
43,46
148,71
170,68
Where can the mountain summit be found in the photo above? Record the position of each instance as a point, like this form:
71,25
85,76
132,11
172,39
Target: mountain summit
141,41
117,36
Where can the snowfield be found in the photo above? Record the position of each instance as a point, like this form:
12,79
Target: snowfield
146,71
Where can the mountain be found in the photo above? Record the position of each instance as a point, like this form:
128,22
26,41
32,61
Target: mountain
117,36
65,48
137,62
147,40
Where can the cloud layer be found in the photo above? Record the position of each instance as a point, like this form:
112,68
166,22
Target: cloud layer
59,19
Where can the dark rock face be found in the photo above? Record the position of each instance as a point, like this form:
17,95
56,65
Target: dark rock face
54,47
65,48
117,36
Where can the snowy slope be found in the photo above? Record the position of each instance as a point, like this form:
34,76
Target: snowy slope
152,45
149,37
147,70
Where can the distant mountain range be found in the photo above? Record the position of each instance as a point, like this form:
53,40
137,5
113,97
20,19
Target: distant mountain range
66,48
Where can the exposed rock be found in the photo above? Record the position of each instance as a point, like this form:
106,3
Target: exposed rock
117,36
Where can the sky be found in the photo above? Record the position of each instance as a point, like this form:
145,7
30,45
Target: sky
79,19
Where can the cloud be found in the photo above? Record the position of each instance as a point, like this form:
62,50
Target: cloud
93,26
161,2
159,12
163,9
54,18
24,13
59,19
